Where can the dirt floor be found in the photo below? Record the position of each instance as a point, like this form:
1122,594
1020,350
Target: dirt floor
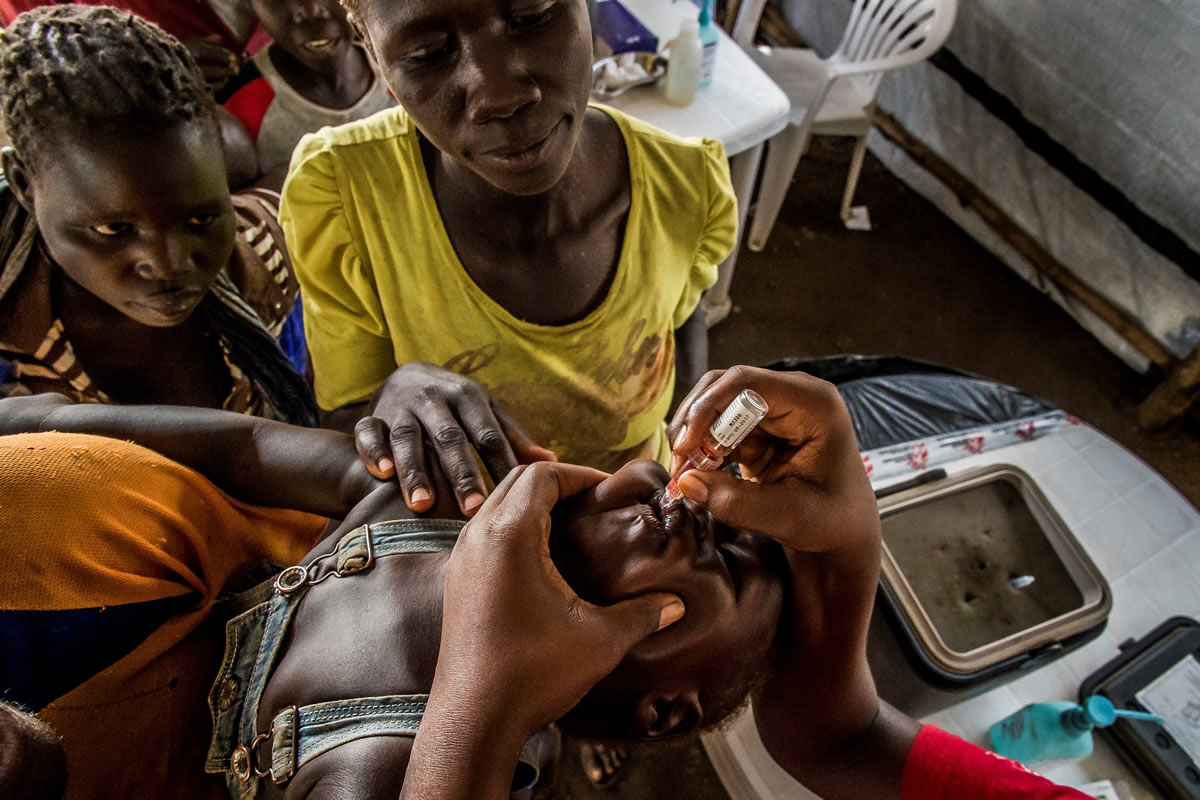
916,286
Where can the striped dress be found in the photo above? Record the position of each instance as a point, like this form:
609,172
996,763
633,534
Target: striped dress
36,356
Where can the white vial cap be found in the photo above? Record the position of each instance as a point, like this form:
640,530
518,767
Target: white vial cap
736,421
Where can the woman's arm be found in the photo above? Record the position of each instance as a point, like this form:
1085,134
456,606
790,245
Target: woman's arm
518,647
807,489
818,712
257,461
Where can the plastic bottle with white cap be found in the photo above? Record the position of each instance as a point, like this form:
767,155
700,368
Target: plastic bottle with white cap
683,68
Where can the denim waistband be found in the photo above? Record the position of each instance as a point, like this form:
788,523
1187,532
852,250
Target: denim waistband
253,641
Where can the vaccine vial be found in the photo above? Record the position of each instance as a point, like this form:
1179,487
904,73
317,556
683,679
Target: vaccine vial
734,424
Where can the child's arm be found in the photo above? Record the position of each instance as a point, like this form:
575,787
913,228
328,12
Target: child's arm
255,460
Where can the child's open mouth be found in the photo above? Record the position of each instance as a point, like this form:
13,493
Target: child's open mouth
320,45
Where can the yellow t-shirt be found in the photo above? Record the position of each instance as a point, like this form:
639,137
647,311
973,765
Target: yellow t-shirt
383,286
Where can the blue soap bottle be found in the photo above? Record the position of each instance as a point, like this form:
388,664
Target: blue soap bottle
1045,731
708,43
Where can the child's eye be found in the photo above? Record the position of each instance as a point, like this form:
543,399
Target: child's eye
112,228
200,220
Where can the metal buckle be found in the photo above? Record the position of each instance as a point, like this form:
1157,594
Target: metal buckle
239,763
291,579
294,578
244,761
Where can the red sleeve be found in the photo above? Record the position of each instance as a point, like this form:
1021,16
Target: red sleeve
941,766
259,39
10,8
250,104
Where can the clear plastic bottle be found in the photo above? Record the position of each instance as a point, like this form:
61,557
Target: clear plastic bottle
683,68
735,422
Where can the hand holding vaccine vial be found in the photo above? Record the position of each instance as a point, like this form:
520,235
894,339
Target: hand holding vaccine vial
734,424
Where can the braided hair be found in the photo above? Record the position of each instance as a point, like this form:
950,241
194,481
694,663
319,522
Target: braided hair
85,68
90,67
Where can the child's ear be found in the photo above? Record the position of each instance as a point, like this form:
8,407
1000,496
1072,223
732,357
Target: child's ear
18,177
667,716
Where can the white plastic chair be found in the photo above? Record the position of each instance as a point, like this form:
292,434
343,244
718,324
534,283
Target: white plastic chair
836,95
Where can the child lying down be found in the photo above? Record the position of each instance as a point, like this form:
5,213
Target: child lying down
408,657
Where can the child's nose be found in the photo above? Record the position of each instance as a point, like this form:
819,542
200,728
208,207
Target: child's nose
168,258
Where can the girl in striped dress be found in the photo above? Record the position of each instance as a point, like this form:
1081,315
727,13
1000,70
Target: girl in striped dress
128,274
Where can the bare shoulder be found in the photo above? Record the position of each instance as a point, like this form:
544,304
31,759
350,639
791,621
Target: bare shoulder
604,139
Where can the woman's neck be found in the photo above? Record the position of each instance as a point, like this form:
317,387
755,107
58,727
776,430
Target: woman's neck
566,206
547,259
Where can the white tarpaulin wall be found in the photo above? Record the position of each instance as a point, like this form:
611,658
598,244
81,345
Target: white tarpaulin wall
1081,120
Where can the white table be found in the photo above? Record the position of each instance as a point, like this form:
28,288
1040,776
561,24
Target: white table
742,108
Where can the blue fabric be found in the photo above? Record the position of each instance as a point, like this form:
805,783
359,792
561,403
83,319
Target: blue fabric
8,379
292,341
49,653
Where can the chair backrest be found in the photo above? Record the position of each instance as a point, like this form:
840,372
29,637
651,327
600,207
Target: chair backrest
885,34
881,34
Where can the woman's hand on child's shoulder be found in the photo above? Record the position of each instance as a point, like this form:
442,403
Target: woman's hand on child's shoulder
425,416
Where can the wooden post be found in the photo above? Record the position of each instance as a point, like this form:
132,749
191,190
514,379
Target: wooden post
728,15
774,26
1174,396
1026,245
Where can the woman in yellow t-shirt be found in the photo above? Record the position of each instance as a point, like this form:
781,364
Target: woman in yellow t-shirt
500,263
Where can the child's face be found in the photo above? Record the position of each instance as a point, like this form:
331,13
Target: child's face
615,542
315,32
499,86
144,222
